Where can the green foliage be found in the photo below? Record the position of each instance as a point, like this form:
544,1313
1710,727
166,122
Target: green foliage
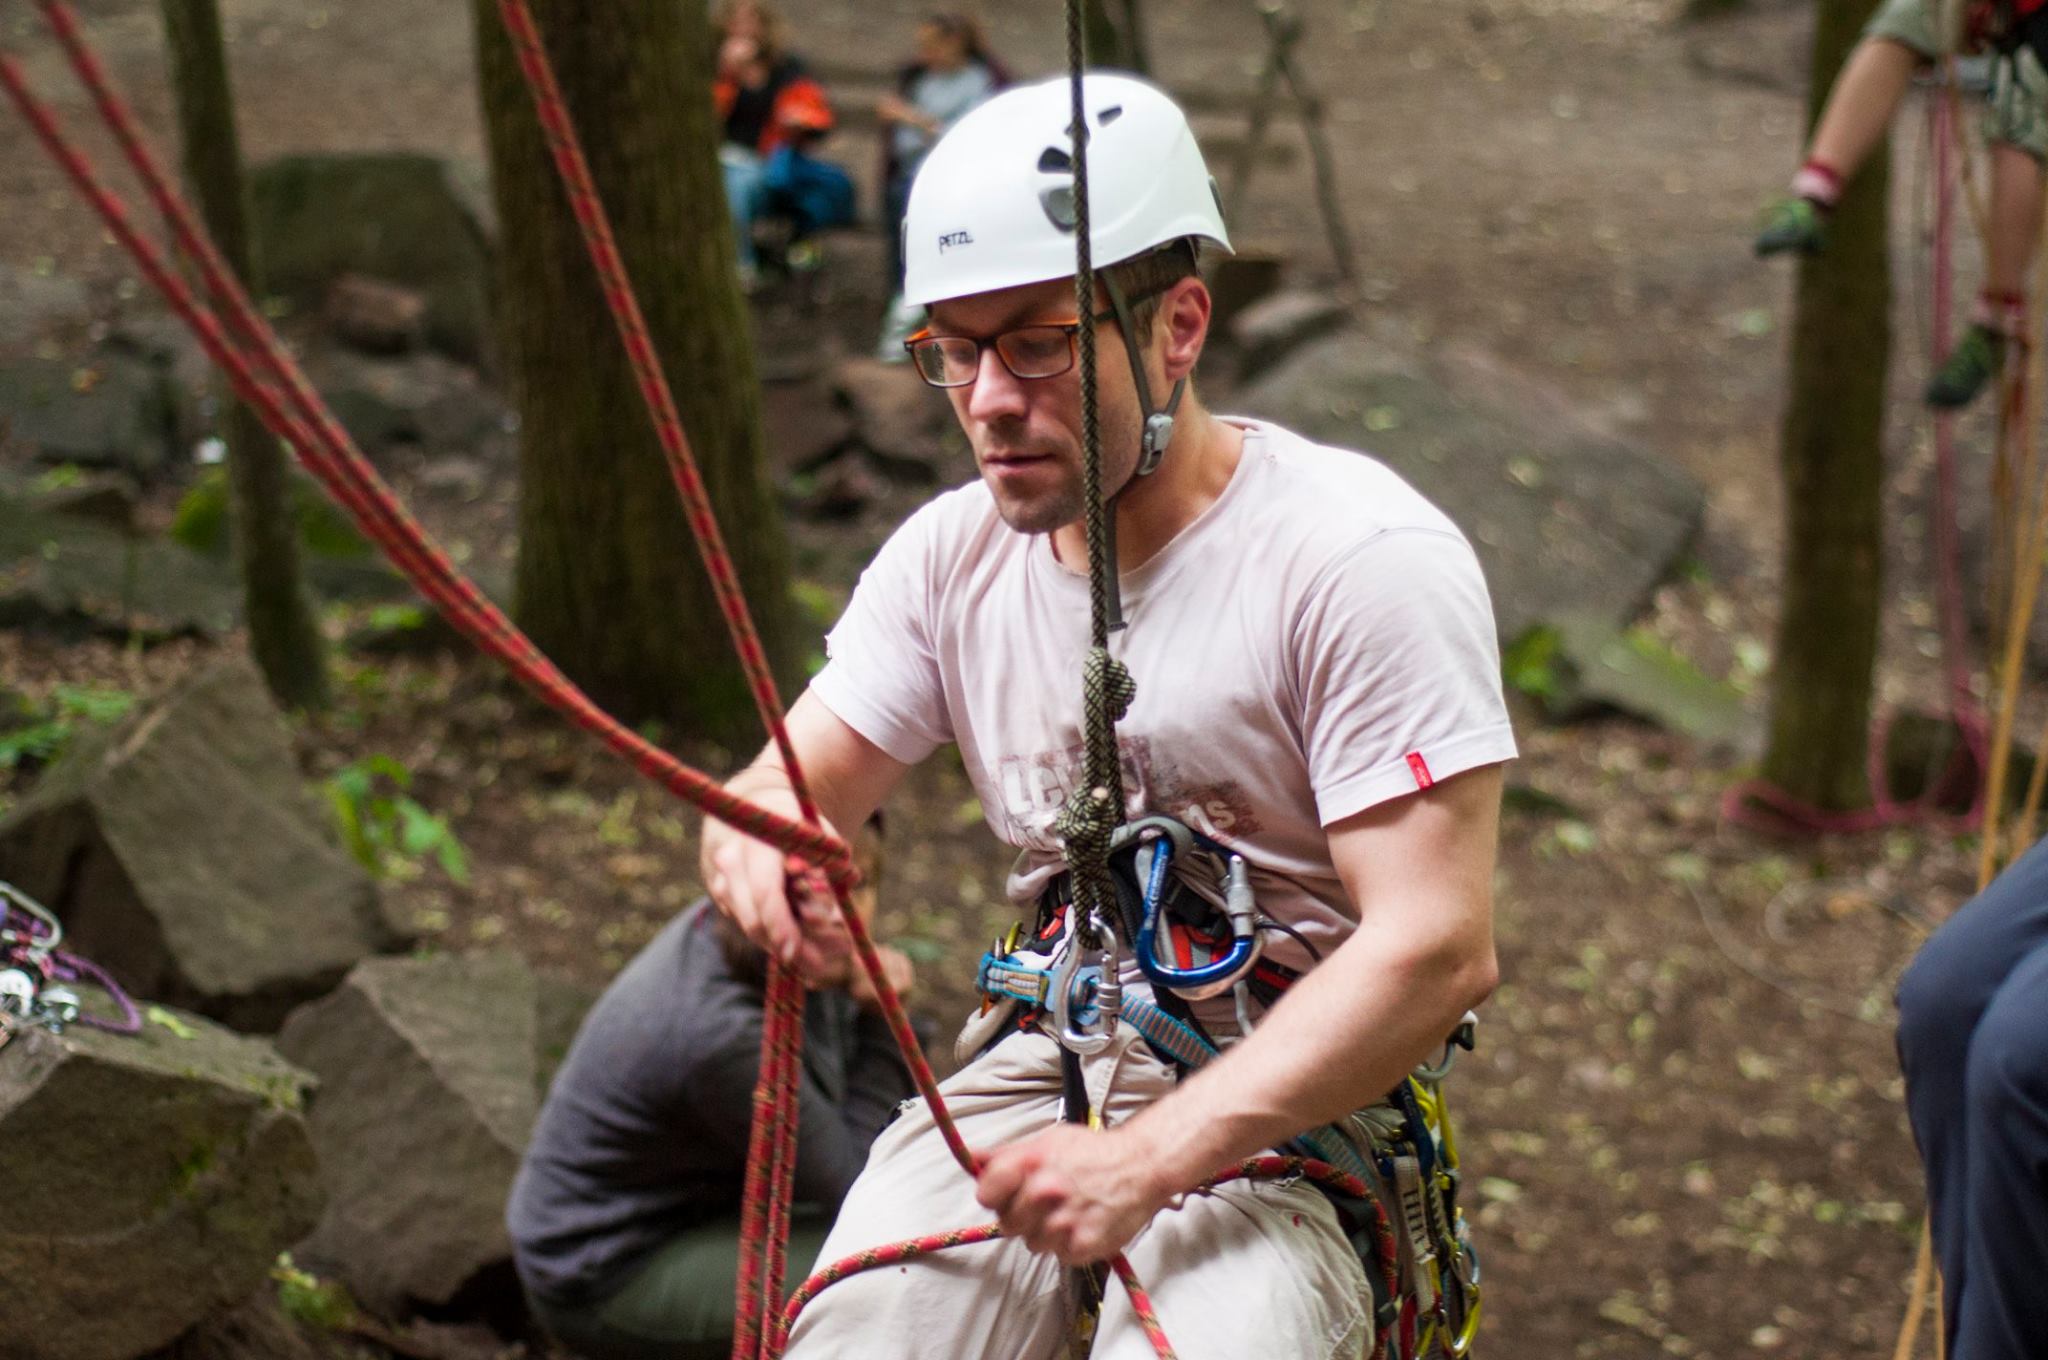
310,1300
157,1015
35,735
62,477
1533,663
385,828
201,522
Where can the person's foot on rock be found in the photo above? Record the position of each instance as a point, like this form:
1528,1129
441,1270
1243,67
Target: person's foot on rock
1974,362
1793,224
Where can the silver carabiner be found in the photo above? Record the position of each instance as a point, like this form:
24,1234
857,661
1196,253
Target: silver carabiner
1086,999
1432,1074
53,929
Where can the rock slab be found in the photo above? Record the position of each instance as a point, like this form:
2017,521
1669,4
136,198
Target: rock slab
185,855
150,1183
60,570
395,216
115,410
431,1074
1566,521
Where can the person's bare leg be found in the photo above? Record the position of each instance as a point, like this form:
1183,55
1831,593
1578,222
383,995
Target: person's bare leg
2015,226
1860,107
2001,311
1852,123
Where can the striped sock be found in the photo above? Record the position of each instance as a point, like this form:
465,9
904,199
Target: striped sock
1819,183
2003,312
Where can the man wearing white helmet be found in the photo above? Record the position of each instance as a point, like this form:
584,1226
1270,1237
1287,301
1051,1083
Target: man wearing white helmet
1317,693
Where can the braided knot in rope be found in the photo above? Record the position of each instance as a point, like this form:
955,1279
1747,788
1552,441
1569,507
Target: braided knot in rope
1095,810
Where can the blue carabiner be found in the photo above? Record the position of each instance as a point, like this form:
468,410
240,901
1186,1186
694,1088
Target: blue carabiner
1219,976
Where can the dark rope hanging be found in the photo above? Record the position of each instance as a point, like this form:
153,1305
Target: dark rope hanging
1095,809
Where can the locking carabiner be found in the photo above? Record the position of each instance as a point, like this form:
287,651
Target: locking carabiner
1086,998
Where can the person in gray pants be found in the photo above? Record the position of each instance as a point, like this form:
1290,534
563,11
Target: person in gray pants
1973,1041
624,1217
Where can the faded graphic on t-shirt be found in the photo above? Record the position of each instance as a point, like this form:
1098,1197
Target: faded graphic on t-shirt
1034,788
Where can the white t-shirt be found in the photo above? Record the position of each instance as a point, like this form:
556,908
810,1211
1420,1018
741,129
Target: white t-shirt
1317,641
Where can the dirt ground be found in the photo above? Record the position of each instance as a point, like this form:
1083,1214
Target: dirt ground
1682,1127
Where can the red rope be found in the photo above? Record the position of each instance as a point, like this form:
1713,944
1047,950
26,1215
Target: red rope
292,412
1270,1167
1761,805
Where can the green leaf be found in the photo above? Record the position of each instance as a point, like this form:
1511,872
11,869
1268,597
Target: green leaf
392,768
92,703
39,743
1530,665
453,859
157,1015
419,831
201,521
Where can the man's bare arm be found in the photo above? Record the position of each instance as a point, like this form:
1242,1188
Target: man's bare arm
1420,871
849,777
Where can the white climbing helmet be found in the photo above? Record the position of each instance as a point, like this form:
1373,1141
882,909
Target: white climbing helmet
992,206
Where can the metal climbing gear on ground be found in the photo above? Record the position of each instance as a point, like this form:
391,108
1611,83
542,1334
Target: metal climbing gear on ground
37,976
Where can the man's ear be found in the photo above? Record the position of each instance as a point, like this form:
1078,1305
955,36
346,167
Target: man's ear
1183,324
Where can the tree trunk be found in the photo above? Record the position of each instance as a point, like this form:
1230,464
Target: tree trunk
608,580
1832,455
1117,43
283,632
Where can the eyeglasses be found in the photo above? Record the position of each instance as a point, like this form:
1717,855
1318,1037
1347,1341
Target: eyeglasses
1029,352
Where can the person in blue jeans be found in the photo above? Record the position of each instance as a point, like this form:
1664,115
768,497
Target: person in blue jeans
1973,1042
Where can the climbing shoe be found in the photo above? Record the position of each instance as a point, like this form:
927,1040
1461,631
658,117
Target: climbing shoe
1792,224
1974,362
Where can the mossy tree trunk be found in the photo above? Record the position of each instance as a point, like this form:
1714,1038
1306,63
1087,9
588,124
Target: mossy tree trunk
608,580
284,634
1832,456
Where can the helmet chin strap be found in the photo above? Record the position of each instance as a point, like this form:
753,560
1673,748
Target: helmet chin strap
1152,441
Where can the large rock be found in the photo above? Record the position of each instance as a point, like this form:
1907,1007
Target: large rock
420,399
60,570
149,1182
905,428
1566,521
1270,329
34,303
395,216
184,853
1576,665
431,1075
112,410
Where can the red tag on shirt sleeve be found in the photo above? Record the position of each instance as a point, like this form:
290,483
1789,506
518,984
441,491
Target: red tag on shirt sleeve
1420,768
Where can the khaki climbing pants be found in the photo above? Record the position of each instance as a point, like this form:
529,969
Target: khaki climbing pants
1250,1269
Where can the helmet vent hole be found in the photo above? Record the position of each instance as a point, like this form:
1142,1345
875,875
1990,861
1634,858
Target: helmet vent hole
1059,207
1056,161
1109,115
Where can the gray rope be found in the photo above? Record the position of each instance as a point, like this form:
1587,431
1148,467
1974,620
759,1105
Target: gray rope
1096,808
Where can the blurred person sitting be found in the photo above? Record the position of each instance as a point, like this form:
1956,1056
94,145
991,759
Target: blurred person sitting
774,113
1973,1043
1903,37
951,72
624,1217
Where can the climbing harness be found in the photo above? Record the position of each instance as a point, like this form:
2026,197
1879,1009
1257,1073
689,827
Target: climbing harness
38,979
1198,928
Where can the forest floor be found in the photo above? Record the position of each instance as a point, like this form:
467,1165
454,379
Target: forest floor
1682,1126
